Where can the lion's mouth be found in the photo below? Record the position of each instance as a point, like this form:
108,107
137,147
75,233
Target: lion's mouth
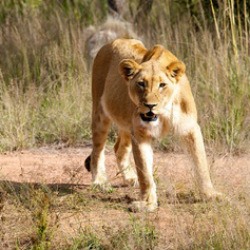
149,117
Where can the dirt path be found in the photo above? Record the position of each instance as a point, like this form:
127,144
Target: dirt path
64,169
66,166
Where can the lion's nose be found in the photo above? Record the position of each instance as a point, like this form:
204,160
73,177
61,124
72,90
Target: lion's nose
149,105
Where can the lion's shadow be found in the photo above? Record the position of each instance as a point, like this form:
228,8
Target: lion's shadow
22,191
61,188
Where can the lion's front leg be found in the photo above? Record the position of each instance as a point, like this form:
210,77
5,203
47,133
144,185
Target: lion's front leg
192,137
143,156
122,150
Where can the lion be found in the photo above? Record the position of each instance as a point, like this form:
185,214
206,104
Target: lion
147,95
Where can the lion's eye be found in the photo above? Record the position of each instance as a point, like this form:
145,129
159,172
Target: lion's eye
141,84
162,85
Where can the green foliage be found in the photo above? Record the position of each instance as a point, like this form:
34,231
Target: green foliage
138,235
141,235
87,240
40,209
86,11
38,201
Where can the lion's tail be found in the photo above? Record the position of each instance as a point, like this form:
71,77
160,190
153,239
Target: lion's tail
87,163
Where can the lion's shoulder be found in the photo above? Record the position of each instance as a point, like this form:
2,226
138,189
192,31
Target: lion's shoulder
129,48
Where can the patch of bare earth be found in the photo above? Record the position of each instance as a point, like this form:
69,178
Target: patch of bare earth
74,205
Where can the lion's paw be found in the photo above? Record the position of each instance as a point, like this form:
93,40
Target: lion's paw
130,177
142,206
101,184
104,187
131,181
213,196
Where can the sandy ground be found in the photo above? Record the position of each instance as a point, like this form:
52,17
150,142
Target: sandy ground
65,168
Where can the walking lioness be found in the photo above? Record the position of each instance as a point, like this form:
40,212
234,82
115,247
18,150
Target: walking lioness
146,93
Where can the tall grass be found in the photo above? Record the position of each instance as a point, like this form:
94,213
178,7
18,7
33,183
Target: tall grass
44,81
45,91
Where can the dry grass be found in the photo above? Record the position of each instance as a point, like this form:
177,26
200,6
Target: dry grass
45,81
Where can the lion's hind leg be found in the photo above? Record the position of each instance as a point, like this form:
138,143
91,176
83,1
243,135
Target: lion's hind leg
122,151
96,161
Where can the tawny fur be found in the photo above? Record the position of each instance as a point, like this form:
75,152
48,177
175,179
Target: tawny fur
146,93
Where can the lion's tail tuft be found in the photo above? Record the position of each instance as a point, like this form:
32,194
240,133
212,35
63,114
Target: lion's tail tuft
88,163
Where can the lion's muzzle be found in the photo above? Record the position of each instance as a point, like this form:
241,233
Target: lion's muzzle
149,117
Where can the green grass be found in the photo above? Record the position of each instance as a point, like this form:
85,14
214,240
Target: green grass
136,235
87,240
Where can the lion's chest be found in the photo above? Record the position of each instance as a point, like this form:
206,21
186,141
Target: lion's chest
165,124
154,129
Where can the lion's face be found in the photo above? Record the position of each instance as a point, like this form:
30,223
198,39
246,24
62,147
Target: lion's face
151,85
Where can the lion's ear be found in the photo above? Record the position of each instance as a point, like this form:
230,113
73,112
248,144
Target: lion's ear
176,69
128,68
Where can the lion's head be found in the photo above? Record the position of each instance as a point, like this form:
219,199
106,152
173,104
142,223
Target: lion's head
151,83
